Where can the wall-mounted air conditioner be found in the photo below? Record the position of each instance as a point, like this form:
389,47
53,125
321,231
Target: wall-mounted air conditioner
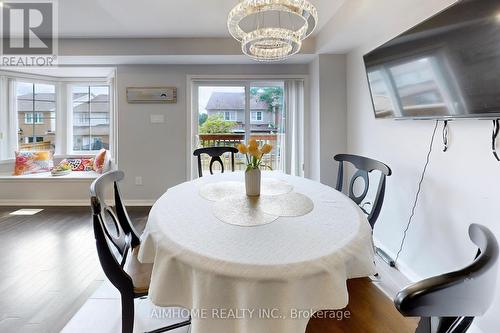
152,95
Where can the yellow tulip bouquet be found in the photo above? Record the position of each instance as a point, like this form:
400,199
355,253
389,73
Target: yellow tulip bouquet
254,154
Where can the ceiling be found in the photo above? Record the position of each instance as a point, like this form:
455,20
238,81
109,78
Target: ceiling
381,21
156,18
62,72
173,60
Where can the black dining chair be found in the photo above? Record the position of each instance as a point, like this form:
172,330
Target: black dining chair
365,166
449,302
215,153
122,215
116,251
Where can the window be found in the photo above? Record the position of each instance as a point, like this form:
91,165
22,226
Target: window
36,109
65,116
257,116
30,118
33,139
253,108
229,115
91,110
82,119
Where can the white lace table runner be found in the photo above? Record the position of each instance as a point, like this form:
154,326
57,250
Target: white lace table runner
232,206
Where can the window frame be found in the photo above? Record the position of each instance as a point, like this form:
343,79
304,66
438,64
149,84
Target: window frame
9,117
28,120
194,82
233,115
14,112
39,118
255,119
34,119
70,116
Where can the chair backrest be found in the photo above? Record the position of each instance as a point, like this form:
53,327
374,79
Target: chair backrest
215,153
112,241
364,166
100,185
458,296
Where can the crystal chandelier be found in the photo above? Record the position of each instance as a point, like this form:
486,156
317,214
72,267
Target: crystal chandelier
272,30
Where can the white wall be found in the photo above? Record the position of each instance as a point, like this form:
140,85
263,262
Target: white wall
461,186
43,192
313,153
157,152
328,109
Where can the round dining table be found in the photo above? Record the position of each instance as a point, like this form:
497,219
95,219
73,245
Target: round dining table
237,277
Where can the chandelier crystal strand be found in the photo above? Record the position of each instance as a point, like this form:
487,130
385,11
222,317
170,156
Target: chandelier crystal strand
267,42
271,44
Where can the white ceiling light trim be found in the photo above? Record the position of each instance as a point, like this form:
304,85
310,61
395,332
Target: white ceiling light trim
275,38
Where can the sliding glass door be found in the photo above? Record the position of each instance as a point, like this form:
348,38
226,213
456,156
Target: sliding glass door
267,119
220,120
227,113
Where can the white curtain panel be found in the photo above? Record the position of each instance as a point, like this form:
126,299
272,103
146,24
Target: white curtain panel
111,81
294,128
4,119
13,118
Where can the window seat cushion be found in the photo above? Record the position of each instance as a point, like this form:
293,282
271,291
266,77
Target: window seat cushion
75,175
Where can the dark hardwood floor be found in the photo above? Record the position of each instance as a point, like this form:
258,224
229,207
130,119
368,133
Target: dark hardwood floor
371,311
49,267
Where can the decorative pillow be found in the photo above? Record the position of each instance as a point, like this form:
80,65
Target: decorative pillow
101,161
79,164
29,162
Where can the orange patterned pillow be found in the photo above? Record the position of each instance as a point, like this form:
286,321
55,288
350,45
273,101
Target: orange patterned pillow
79,164
29,162
101,161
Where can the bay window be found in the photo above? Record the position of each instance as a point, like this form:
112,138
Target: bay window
65,116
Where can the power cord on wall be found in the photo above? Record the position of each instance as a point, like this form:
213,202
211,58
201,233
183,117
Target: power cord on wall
422,176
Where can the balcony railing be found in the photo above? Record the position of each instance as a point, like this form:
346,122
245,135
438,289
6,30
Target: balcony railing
35,146
226,140
232,140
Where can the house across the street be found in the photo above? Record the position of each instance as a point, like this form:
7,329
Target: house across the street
231,106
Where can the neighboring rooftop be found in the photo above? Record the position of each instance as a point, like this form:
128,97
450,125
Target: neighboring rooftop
45,102
233,101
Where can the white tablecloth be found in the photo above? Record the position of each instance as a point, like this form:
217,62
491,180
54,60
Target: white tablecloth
255,278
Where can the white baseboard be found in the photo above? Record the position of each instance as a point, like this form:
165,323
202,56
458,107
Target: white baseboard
66,203
411,275
140,203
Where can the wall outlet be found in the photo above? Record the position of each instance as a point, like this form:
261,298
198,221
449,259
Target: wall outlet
138,180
